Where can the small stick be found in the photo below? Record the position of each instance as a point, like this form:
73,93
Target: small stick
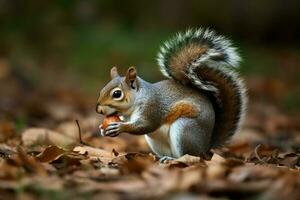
257,155
79,132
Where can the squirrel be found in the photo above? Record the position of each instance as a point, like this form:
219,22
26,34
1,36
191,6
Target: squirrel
199,107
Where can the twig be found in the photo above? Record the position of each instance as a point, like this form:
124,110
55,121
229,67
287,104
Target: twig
256,153
79,132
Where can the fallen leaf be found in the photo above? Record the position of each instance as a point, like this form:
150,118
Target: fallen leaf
103,155
8,171
190,177
50,154
253,172
185,161
41,136
134,162
216,171
216,159
68,159
285,187
30,163
290,160
190,160
6,151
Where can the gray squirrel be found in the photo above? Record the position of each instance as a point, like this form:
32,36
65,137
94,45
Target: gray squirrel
199,107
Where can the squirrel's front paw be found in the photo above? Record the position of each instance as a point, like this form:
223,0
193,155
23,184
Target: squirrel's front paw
113,129
165,159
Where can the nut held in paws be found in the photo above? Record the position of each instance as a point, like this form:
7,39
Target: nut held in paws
110,119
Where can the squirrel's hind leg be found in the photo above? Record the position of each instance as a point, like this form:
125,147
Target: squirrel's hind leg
189,136
158,141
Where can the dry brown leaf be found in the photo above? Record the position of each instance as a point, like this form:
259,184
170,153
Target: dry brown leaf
134,162
191,177
8,171
160,181
264,154
291,160
95,153
50,154
216,171
68,159
35,182
285,187
253,172
219,166
132,186
223,187
237,171
6,151
185,161
41,136
190,160
30,163
216,159
171,180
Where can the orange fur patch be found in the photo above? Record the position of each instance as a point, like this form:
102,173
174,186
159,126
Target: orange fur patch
181,109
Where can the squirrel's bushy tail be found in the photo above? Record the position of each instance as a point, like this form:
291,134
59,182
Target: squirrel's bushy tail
208,61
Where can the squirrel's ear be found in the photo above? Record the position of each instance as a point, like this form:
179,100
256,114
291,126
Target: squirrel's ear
131,77
114,72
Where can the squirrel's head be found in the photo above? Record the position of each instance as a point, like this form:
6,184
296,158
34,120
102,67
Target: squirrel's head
118,96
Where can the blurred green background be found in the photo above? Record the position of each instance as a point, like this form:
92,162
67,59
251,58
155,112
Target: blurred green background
63,43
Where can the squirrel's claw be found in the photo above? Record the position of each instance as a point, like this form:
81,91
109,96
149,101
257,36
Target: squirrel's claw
165,159
102,133
113,129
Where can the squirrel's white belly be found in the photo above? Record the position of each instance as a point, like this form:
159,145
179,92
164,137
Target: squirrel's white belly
159,141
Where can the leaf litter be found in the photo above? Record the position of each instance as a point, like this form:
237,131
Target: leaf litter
70,160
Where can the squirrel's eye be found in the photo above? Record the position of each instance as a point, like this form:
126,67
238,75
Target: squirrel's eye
117,94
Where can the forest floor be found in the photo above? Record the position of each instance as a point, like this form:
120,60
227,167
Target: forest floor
62,159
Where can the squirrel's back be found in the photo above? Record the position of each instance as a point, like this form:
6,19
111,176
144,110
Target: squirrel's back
200,58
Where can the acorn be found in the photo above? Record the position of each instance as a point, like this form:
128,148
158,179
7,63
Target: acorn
110,119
